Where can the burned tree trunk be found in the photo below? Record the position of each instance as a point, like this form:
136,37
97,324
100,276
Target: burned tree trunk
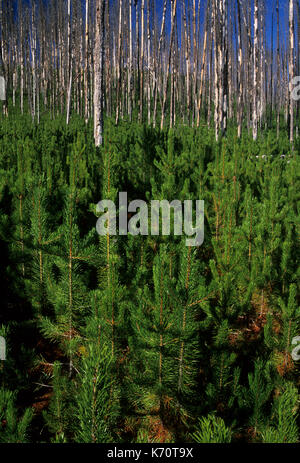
278,71
173,16
202,69
221,66
99,73
70,63
119,60
86,74
240,70
255,72
130,66
291,68
157,72
149,67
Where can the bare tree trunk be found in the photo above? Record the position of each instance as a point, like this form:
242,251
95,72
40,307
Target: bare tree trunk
86,74
69,94
255,71
21,59
3,70
142,60
216,69
119,73
173,16
210,73
262,68
14,88
240,71
298,67
130,67
202,69
157,73
195,61
98,73
108,74
291,68
224,67
278,70
149,67
271,72
172,91
187,60
70,64
137,32
249,80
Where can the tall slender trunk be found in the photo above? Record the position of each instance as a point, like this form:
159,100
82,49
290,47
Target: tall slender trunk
86,74
202,69
195,61
119,61
173,16
278,71
21,60
137,40
130,67
262,68
216,68
157,72
187,61
240,70
223,106
3,70
33,54
291,67
298,66
99,73
255,72
142,60
70,64
271,72
149,67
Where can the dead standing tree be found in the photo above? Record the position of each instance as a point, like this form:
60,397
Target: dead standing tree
240,72
157,68
99,73
70,63
255,72
130,66
119,63
3,68
220,65
165,91
291,68
86,73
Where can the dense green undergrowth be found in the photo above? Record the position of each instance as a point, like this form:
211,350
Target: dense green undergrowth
142,338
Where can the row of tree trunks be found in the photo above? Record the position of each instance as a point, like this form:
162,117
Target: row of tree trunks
190,61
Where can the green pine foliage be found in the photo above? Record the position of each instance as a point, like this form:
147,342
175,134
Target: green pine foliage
142,338
212,430
95,400
285,429
56,416
14,428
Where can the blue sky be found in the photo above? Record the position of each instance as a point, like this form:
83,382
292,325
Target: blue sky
270,9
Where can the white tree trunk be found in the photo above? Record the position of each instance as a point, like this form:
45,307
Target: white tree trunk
70,67
255,71
86,74
291,67
99,73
